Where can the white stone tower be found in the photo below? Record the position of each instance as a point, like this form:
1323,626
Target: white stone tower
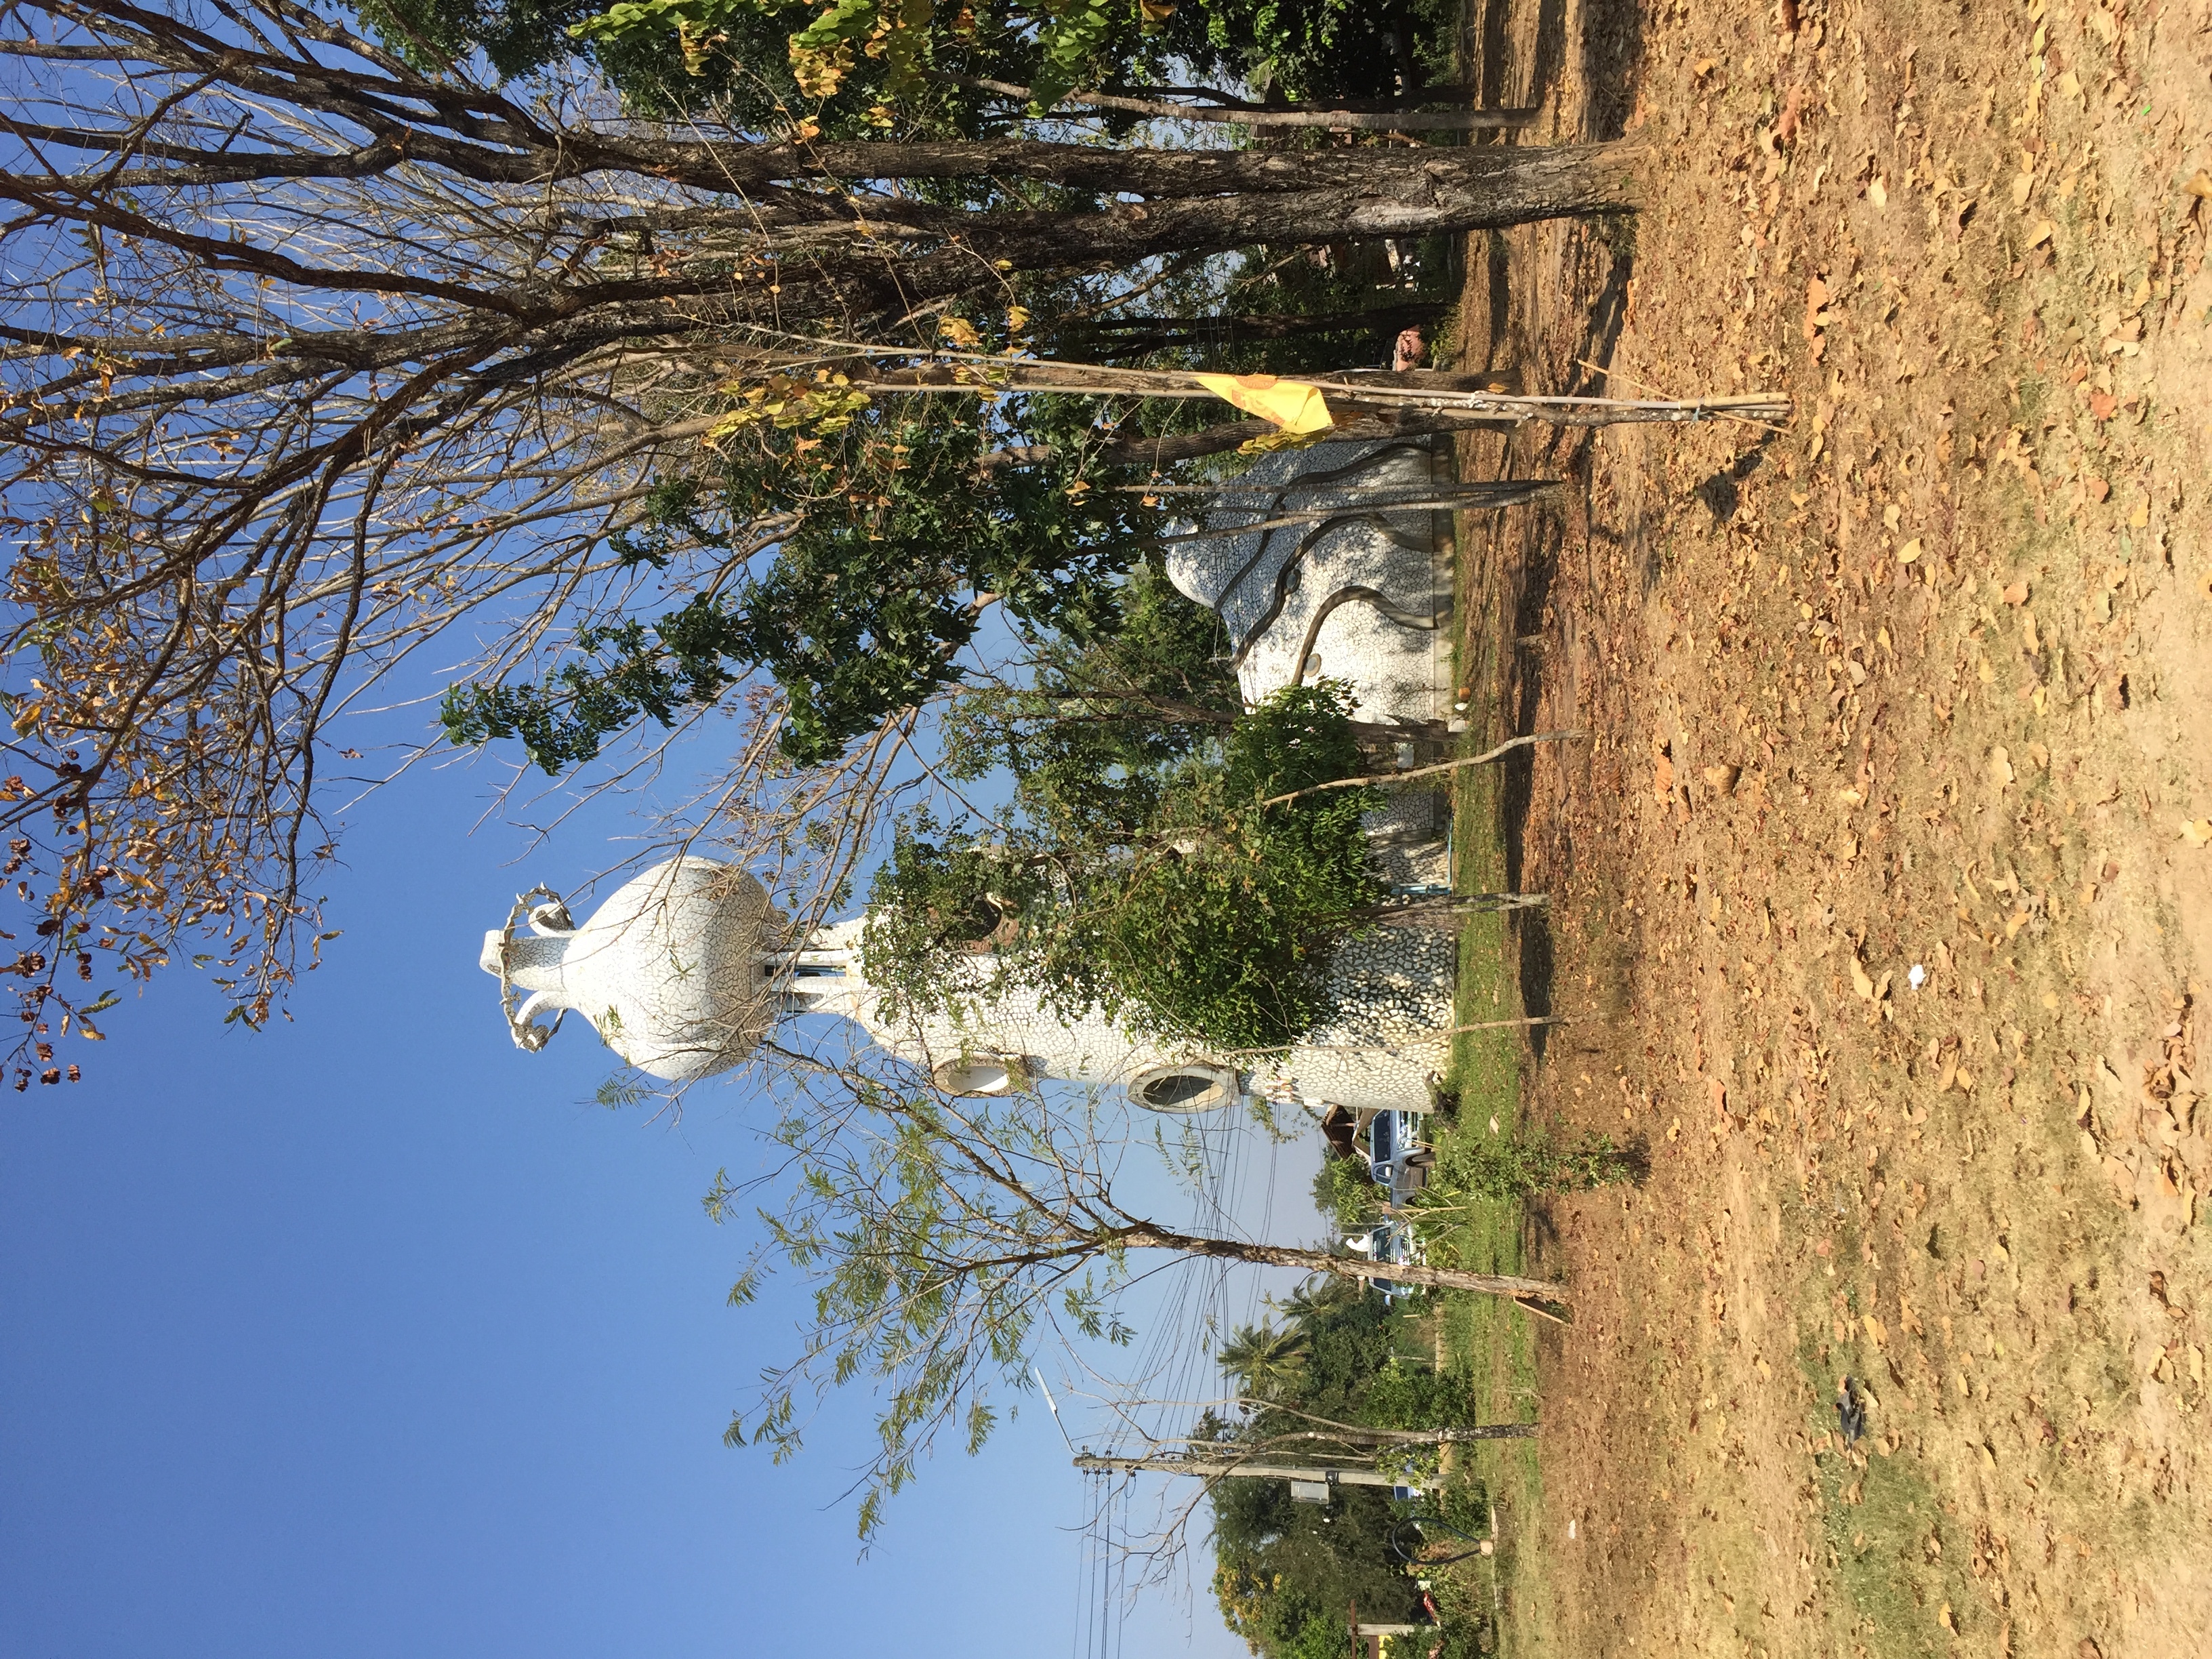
680,972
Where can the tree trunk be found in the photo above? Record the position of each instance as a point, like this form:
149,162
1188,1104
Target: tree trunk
1539,182
1413,1436
821,222
1383,118
1163,452
1149,1237
1130,335
1444,909
1387,193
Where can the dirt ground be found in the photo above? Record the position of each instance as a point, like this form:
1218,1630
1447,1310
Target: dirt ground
1882,899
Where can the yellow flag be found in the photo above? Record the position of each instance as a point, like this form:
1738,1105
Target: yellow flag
1292,405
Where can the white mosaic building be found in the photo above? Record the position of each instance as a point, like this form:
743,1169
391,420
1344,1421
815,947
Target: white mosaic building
678,971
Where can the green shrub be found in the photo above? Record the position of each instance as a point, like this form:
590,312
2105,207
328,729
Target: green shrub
1522,1165
1345,1191
1151,869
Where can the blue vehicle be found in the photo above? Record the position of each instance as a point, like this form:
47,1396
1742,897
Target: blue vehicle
1397,1157
1390,1240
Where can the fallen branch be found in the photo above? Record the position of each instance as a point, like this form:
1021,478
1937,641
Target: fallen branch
1389,1048
1483,759
1434,910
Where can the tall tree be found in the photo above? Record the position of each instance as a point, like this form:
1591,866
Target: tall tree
315,357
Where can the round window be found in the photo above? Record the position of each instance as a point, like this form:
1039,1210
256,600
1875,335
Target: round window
973,1077
1185,1088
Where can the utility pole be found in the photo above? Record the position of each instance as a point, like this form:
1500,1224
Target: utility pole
1212,1469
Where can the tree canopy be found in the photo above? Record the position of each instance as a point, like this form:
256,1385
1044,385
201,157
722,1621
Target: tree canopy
945,1237
856,68
1143,867
1285,1571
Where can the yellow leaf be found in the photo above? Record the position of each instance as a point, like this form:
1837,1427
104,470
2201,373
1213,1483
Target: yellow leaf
1909,552
959,329
1878,193
1292,405
1862,981
2196,831
1875,1333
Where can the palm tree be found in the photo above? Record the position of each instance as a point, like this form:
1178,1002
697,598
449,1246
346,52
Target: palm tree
1317,1298
1266,1358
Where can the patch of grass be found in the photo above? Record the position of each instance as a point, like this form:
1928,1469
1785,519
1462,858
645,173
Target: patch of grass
1898,1558
1895,1550
1486,1344
1486,1069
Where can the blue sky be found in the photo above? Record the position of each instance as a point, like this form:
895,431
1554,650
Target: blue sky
368,1334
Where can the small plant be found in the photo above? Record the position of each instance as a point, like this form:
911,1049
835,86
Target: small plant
1346,1193
1524,1164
